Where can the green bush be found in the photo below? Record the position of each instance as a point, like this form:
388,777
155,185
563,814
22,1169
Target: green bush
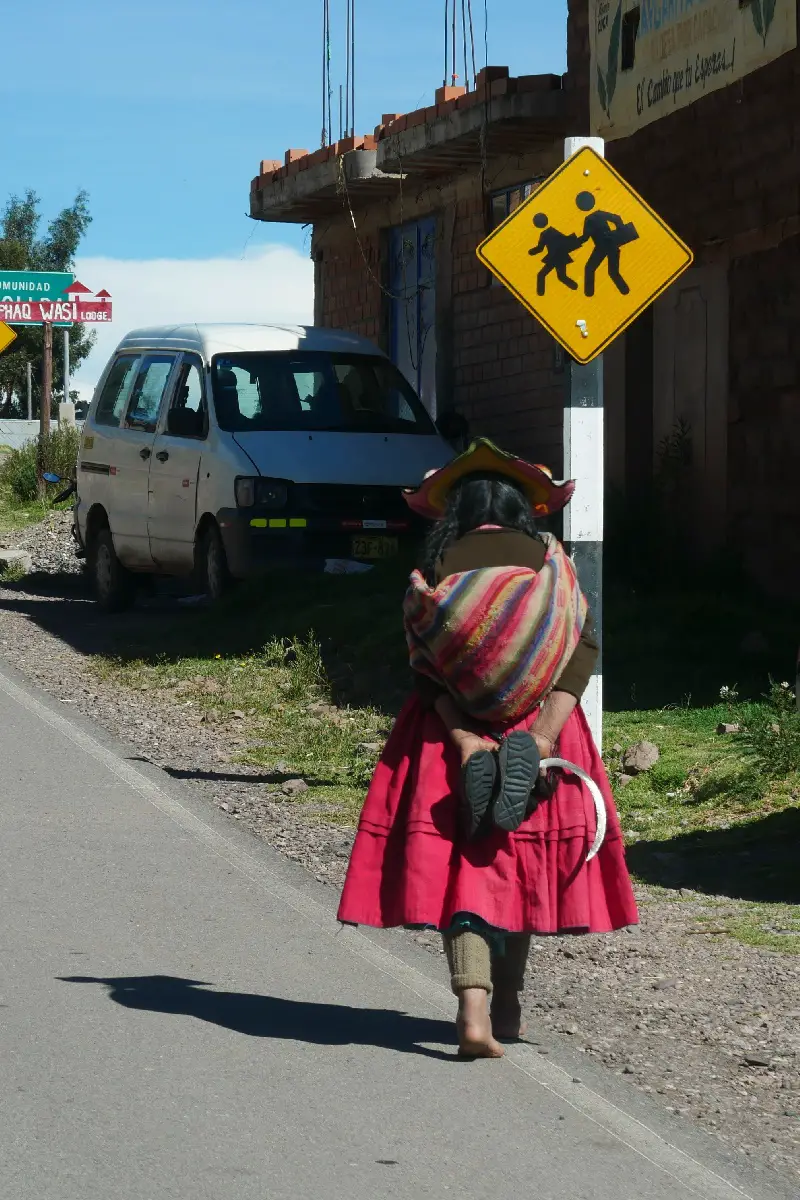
771,733
18,469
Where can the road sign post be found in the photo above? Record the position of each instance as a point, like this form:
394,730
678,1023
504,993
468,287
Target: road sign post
46,401
66,366
584,461
585,255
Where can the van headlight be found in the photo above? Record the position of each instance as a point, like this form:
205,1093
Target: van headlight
261,493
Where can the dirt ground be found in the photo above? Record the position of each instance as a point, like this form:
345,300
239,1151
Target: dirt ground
708,1024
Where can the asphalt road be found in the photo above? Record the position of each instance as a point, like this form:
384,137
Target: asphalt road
180,1016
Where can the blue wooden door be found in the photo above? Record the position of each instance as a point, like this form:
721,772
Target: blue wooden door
412,284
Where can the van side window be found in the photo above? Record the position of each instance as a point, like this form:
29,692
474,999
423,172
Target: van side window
148,392
116,389
188,411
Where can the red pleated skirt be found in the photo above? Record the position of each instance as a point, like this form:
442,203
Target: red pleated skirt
409,867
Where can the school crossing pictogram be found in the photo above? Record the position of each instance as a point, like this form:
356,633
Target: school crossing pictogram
585,254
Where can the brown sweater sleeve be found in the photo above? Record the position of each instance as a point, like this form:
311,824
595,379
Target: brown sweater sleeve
575,677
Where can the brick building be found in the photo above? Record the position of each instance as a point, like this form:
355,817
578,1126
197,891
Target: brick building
710,374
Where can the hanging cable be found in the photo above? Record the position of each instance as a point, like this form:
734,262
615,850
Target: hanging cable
464,40
472,42
486,33
328,60
347,71
324,134
455,43
446,39
353,66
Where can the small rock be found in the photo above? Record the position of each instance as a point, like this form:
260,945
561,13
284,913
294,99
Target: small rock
237,715
369,747
624,780
617,749
628,1070
294,787
725,728
756,1060
281,768
640,758
19,560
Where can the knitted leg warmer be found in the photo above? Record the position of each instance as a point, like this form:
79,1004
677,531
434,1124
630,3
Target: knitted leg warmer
508,970
469,959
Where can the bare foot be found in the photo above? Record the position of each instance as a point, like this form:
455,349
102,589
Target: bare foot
507,1020
474,1025
469,744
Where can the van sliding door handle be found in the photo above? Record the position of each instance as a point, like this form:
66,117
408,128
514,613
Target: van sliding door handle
145,453
162,456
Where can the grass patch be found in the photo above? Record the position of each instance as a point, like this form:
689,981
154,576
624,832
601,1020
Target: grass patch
702,781
307,672
16,515
277,706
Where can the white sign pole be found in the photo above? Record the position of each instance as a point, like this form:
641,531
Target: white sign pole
584,462
66,366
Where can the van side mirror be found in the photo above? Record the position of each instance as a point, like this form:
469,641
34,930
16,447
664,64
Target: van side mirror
453,427
184,422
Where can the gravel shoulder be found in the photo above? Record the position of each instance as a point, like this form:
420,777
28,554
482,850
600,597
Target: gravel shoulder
677,1008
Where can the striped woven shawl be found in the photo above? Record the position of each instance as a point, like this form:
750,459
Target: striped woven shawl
497,638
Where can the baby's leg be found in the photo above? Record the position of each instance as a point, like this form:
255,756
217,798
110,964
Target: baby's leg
465,736
469,959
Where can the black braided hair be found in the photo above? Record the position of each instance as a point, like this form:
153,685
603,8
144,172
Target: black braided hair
476,500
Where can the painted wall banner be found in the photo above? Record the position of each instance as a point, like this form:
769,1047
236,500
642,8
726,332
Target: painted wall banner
651,57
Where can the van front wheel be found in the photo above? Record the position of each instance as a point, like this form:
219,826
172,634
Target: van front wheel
114,587
216,577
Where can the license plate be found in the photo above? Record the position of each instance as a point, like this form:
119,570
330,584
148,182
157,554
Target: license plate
374,547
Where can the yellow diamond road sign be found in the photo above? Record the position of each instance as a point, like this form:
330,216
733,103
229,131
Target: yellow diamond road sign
7,336
585,254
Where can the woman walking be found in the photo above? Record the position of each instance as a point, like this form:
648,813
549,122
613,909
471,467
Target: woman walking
460,832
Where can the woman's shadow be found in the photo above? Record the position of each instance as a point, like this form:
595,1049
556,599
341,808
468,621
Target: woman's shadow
276,1017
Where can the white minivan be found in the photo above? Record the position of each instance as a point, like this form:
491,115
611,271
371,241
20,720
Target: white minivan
228,450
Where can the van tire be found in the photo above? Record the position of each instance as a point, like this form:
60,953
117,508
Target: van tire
113,585
214,573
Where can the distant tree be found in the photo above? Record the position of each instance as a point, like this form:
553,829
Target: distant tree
21,248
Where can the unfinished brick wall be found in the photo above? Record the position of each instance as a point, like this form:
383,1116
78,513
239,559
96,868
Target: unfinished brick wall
498,367
348,281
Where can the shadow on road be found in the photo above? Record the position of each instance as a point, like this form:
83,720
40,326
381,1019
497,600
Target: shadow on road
756,861
276,1017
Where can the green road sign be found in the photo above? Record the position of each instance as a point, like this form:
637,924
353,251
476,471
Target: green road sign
34,285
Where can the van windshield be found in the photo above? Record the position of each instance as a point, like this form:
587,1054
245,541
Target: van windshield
350,393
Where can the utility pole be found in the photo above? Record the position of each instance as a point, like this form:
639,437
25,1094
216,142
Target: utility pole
47,399
29,370
66,366
584,448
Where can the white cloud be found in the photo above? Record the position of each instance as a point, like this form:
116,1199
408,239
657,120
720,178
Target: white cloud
275,283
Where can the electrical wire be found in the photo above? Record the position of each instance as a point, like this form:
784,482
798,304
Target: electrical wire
464,40
353,66
446,39
347,72
472,42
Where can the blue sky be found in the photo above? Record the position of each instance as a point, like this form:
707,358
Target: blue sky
162,109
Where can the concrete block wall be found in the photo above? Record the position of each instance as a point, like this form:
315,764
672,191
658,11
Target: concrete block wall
725,173
499,366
